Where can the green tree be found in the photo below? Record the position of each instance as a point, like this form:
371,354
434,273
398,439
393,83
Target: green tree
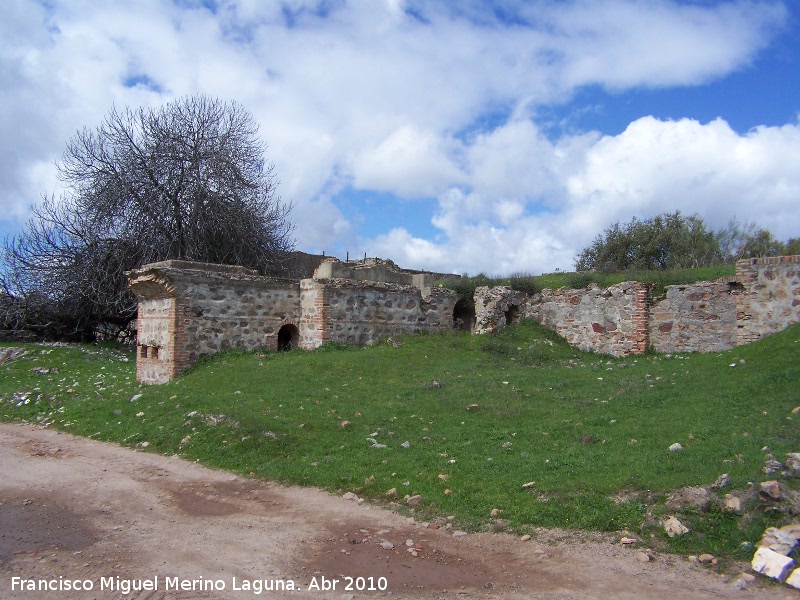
667,241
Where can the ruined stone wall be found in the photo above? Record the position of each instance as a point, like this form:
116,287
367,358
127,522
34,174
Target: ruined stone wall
770,301
695,318
188,310
612,321
763,298
497,307
361,312
241,313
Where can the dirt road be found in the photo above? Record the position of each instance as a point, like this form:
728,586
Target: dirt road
84,514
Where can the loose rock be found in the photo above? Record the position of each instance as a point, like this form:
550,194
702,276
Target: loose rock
732,503
771,564
721,482
675,447
706,558
642,557
674,527
772,489
793,463
771,465
414,500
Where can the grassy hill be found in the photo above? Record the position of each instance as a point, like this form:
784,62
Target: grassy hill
462,421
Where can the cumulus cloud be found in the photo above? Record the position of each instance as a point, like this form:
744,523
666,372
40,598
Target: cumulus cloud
652,167
423,100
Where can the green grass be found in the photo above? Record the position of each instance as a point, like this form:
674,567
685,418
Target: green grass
536,283
586,428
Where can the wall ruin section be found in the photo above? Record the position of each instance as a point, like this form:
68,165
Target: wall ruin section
761,299
188,310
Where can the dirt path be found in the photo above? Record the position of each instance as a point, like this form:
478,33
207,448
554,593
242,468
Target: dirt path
76,509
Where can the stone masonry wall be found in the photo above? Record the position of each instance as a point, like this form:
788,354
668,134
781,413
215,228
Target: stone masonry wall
770,301
612,321
695,318
361,312
188,310
763,298
242,314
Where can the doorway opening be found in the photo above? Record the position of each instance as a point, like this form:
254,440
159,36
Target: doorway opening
464,315
288,338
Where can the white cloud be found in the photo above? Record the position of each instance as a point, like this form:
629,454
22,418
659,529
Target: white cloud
375,96
409,162
652,167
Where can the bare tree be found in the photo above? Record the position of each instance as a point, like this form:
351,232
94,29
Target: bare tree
187,180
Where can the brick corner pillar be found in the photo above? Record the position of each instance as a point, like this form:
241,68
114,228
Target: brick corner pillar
157,329
314,327
641,316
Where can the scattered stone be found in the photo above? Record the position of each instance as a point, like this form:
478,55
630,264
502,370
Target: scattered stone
43,371
796,410
495,513
793,463
732,503
675,447
473,407
345,424
528,485
414,500
695,496
387,545
433,526
627,541
8,354
369,480
721,482
706,558
794,579
392,493
781,540
674,527
771,465
642,557
459,534
136,397
772,489
743,580
771,564
443,477
352,497
406,445
525,538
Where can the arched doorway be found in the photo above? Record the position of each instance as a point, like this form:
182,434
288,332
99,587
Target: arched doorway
512,314
288,337
464,315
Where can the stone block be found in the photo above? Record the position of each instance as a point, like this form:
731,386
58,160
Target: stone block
794,579
771,564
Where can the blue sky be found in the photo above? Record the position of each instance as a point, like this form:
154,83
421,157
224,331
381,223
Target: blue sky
466,137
